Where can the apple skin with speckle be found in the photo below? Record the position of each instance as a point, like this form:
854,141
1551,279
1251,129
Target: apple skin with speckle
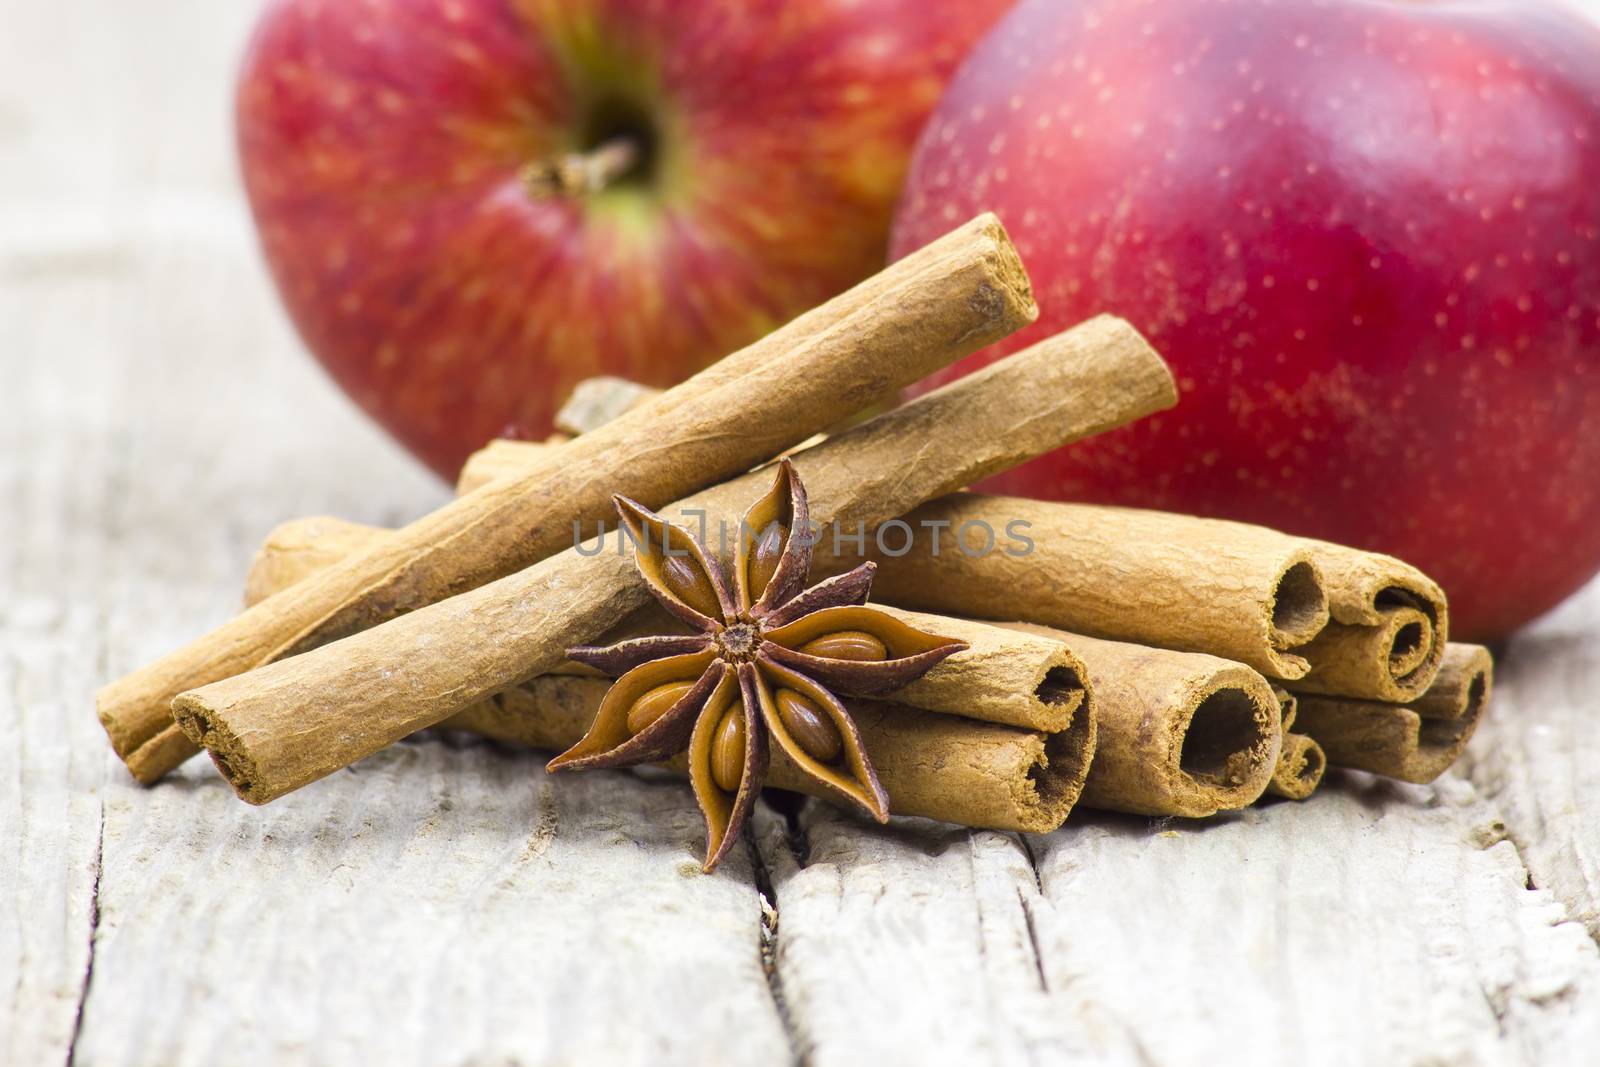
1365,234
384,146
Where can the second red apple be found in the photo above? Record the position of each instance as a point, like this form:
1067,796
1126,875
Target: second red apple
1366,234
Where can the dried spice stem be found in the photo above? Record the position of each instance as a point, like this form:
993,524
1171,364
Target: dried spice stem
944,767
1006,677
1414,742
1288,706
1180,733
294,721
958,295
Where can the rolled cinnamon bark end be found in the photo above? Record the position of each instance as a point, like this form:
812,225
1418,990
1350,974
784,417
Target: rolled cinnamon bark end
1461,690
1394,660
1202,585
937,767
1029,681
957,295
1415,742
1389,630
1180,733
1300,768
305,717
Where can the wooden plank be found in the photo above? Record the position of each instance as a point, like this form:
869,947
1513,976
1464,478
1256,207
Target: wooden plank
435,904
1539,753
1378,923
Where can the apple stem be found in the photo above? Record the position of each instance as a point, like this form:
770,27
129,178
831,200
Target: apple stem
577,173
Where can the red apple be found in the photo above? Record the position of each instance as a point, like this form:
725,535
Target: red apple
415,170
1366,234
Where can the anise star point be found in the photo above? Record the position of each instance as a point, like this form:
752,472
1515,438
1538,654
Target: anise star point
766,661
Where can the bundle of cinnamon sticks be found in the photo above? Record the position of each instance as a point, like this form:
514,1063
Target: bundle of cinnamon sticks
1128,660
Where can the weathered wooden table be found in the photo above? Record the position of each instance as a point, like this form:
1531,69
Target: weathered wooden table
446,903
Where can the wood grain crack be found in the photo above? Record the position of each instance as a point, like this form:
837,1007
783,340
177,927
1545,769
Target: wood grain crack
768,939
94,929
1033,941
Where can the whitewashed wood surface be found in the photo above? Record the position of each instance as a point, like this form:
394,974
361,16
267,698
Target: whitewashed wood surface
445,903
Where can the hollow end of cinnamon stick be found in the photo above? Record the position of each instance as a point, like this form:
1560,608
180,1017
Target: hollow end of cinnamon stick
1056,779
1061,688
1222,742
213,734
1298,609
1300,769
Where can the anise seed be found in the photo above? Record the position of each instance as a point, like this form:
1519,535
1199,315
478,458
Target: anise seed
810,727
654,704
765,556
684,581
727,751
847,644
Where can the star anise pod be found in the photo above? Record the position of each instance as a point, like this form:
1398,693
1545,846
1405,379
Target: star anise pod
765,660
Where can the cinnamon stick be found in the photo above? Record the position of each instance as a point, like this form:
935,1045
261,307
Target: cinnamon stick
939,767
1005,677
1414,742
1180,733
1226,589
1323,617
296,720
963,292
